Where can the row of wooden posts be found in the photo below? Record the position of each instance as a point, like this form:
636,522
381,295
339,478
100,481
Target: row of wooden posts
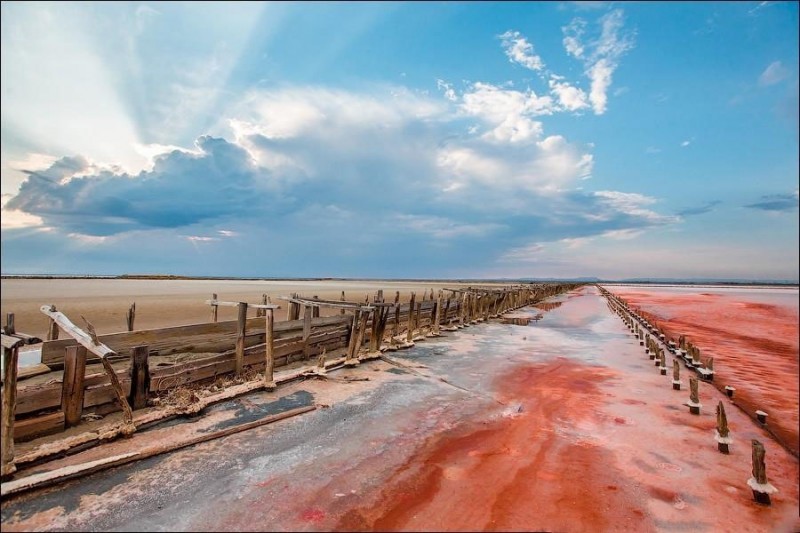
641,329
449,310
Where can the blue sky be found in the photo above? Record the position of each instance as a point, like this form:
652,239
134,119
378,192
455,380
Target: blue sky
404,140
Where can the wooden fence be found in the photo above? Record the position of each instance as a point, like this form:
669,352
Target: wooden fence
228,348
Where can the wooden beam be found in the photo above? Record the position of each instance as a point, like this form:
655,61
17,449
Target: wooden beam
9,404
140,377
91,343
241,331
9,329
214,308
236,304
326,303
72,386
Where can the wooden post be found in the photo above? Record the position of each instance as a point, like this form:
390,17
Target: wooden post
72,384
694,397
140,377
214,308
9,404
52,330
294,309
241,326
410,332
676,375
417,322
438,315
342,298
10,329
351,360
663,361
759,483
362,327
723,433
269,341
308,312
130,316
315,309
396,327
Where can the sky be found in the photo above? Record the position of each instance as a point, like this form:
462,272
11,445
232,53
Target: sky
401,140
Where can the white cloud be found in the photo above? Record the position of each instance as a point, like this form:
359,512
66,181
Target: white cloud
508,111
569,97
686,143
773,74
601,56
573,33
632,204
447,89
520,51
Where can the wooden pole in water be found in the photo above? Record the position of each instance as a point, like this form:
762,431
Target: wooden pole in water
663,363
723,433
72,384
759,483
140,377
694,397
269,342
241,326
213,308
9,404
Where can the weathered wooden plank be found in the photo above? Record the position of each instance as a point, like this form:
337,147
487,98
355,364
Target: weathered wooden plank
9,342
30,371
9,407
30,428
140,377
72,385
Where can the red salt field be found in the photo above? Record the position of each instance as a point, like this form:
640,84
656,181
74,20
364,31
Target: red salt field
560,425
752,333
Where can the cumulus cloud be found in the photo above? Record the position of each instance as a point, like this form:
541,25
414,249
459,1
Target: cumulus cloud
569,97
180,190
298,166
773,74
520,51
